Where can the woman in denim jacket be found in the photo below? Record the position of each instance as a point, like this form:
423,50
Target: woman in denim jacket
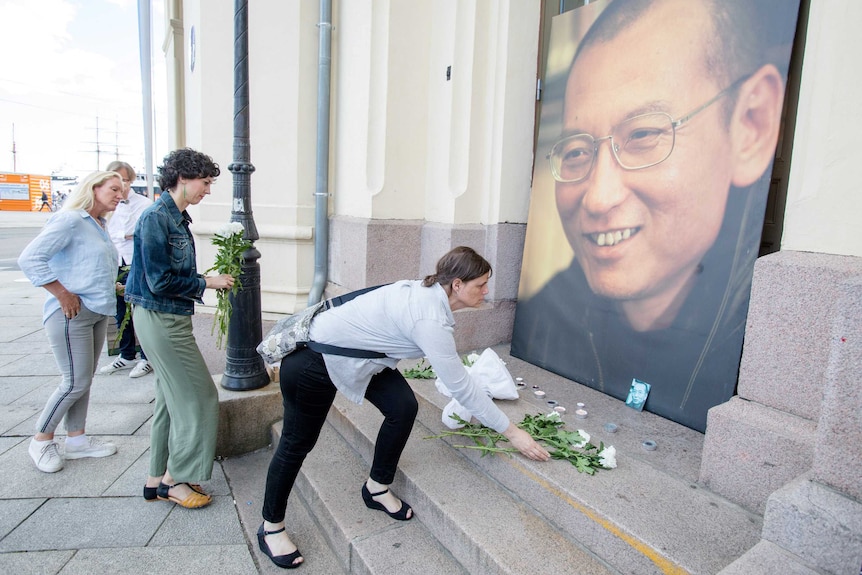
163,286
74,259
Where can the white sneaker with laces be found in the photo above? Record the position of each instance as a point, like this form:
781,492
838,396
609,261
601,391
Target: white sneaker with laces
93,448
46,455
141,369
119,364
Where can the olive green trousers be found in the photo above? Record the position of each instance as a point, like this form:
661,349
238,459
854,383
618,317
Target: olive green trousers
185,415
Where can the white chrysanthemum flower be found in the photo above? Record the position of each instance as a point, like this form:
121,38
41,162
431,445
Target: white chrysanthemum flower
585,436
473,358
553,416
608,457
229,229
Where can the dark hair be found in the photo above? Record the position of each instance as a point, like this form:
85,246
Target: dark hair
737,44
459,263
186,163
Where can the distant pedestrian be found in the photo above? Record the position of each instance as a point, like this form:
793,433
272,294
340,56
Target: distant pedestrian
163,287
121,228
45,202
75,261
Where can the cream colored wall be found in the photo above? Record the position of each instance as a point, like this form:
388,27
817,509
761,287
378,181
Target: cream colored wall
283,47
410,144
407,144
173,49
824,197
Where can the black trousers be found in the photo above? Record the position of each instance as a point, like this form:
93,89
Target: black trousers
307,393
127,345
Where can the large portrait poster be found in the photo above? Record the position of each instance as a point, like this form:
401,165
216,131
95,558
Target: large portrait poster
660,120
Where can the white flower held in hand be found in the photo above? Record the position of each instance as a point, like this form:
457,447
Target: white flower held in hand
229,229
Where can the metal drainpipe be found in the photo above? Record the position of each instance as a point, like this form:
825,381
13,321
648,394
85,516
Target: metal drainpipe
321,190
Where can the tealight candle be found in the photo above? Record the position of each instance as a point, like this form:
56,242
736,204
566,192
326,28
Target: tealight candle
581,413
539,393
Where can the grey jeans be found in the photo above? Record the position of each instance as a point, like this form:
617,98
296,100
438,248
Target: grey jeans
77,344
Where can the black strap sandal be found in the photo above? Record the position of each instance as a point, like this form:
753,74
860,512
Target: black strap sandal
283,561
368,497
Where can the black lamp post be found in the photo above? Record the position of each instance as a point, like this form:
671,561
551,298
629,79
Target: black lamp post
244,368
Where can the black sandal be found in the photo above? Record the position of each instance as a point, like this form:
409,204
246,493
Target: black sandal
283,561
152,493
368,497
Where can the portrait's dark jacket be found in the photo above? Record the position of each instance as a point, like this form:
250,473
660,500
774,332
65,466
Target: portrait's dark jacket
691,365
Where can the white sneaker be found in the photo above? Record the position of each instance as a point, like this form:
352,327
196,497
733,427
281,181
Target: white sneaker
141,369
94,448
46,456
119,364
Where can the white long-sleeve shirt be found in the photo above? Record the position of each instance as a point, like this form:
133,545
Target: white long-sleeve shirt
122,225
403,320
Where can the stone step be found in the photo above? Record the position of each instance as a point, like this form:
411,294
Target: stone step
246,475
647,516
767,558
484,527
365,541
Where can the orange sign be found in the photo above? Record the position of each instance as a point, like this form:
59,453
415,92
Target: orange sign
23,192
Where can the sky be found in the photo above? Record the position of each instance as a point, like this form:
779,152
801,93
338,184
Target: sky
70,83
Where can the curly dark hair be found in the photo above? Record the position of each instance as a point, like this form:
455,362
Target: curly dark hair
186,163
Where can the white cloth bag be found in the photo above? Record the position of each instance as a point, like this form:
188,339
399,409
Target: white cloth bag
490,373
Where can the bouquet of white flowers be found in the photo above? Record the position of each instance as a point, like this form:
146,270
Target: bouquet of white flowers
571,446
231,245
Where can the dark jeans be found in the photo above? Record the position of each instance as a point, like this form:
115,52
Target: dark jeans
127,340
307,394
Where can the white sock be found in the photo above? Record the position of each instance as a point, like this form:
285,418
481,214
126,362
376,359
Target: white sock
77,440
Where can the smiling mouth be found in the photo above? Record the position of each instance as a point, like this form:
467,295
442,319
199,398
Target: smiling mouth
612,238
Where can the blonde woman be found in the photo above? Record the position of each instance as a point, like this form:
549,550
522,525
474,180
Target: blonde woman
74,259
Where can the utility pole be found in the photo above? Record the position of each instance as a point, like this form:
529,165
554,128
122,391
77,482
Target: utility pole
14,151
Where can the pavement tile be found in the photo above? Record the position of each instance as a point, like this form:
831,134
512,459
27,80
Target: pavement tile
15,511
7,443
35,562
247,476
34,364
191,560
102,419
79,478
215,524
20,333
14,388
120,388
85,522
14,417
6,358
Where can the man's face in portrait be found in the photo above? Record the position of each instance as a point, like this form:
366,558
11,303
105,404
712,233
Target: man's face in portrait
640,234
638,393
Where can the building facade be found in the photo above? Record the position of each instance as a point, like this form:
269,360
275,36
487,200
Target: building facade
431,144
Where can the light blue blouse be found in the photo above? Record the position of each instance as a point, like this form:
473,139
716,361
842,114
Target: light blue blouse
75,250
